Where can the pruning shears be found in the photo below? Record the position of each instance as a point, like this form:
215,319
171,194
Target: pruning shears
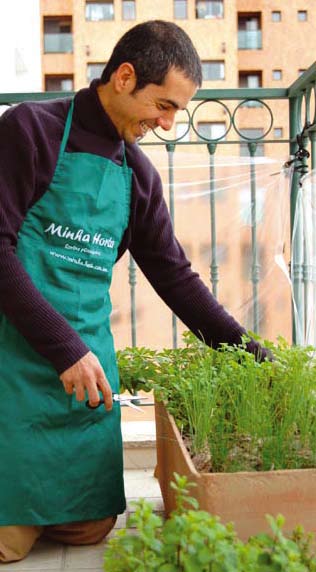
126,400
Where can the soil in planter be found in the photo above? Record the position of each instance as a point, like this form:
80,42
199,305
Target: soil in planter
244,456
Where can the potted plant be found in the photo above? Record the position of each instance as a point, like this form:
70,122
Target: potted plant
192,540
243,431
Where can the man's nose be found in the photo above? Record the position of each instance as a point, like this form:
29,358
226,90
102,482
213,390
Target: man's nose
165,122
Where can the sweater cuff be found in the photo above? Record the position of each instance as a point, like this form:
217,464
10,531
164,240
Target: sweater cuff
66,355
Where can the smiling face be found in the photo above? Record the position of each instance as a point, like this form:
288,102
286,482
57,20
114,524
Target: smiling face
134,113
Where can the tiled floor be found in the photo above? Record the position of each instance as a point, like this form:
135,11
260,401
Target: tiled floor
50,557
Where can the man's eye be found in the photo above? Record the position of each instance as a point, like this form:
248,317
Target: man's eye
162,107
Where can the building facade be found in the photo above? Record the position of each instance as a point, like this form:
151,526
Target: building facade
242,43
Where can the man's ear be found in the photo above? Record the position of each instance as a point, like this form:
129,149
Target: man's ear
125,78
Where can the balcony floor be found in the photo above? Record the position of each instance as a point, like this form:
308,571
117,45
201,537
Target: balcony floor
52,557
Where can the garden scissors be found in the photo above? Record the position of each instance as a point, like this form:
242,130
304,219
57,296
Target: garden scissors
122,399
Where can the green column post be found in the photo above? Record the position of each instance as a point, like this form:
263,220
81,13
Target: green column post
132,283
297,237
214,277
170,150
252,146
307,257
312,136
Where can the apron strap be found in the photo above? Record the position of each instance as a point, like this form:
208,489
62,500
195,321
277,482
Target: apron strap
124,164
67,131
67,128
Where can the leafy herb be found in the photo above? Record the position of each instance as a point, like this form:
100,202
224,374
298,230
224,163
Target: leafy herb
192,540
234,413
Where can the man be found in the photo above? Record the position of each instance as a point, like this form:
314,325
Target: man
76,192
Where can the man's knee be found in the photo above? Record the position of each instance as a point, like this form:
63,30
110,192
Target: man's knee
17,541
95,531
80,533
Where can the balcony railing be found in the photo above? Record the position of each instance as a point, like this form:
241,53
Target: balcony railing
58,43
299,101
249,40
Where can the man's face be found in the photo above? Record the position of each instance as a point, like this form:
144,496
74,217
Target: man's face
134,114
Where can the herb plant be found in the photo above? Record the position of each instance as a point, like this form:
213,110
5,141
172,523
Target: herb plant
234,412
192,540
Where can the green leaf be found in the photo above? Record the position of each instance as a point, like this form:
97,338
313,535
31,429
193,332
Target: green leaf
168,568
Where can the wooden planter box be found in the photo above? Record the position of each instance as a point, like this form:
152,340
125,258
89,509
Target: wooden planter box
244,497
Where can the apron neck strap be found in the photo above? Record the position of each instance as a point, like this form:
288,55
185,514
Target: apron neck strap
67,128
124,164
67,131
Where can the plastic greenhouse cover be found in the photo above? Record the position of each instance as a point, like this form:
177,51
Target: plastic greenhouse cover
303,260
239,242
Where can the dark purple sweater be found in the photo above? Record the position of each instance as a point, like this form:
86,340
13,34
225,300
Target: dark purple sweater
30,136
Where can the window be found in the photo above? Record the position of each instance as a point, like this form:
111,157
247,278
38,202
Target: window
276,16
128,9
302,15
180,9
277,75
252,135
213,70
96,11
278,132
209,8
183,131
211,130
300,72
249,32
94,71
251,79
58,35
59,83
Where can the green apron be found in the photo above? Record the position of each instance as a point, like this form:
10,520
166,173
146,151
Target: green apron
59,460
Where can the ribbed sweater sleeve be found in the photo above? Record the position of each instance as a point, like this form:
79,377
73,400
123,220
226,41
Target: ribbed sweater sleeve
163,261
45,329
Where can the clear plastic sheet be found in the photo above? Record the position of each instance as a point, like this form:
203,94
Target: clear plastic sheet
3,108
234,207
303,261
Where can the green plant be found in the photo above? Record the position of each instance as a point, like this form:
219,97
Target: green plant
234,412
137,369
192,540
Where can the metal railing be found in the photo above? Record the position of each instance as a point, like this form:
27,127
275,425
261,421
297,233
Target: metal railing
299,100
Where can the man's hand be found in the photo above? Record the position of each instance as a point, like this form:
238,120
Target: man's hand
87,375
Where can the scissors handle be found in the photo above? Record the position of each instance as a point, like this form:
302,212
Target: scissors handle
94,406
117,398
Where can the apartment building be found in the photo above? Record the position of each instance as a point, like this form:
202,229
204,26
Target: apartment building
242,43
246,43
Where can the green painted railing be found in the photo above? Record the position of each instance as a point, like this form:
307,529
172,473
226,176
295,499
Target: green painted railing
302,97
300,100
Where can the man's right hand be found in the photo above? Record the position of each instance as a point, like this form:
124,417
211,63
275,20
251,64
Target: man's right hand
87,375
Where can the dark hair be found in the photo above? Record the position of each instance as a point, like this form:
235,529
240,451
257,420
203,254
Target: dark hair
153,48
